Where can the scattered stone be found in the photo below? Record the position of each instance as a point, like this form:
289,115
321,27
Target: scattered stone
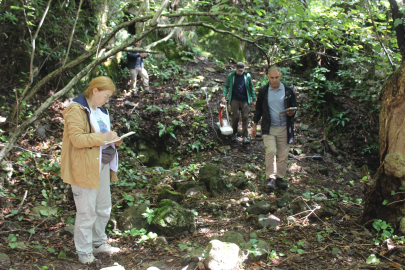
258,250
193,255
6,166
233,237
210,69
313,133
183,187
172,219
160,240
194,193
115,267
217,187
283,201
208,172
132,218
170,195
303,127
161,187
352,176
5,260
222,256
262,207
268,221
317,147
41,131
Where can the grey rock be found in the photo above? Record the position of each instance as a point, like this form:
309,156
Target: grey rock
132,218
4,260
41,131
172,219
258,250
317,147
352,176
223,256
262,207
193,255
209,172
233,237
170,195
6,166
160,240
268,221
283,201
183,187
217,187
303,127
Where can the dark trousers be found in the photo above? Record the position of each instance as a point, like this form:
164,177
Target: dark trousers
243,107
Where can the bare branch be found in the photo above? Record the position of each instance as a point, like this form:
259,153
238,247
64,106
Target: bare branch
158,13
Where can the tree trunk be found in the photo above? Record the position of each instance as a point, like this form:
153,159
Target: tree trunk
386,199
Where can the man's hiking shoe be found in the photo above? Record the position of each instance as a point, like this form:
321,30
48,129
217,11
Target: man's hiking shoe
135,94
149,92
235,137
87,258
281,184
246,140
105,248
271,184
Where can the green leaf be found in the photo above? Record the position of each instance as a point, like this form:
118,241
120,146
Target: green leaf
44,212
397,22
70,221
385,202
12,238
52,250
62,255
392,192
31,231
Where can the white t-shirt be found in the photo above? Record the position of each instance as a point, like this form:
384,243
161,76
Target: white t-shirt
101,123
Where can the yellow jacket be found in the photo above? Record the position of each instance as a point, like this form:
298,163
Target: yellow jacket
80,162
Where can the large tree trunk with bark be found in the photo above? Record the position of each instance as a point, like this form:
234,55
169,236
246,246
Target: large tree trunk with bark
386,198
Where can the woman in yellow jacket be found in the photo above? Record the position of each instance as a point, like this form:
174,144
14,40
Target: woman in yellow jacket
88,165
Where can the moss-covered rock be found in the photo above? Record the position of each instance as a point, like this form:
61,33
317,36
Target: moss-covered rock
132,218
217,187
209,172
171,219
182,187
170,195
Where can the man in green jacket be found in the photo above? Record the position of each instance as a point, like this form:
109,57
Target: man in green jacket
239,86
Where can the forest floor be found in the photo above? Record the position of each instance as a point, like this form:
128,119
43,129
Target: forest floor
303,241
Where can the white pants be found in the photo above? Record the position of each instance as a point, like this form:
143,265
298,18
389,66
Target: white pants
144,75
276,142
93,208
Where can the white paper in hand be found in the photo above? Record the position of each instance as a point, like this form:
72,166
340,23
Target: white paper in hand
120,138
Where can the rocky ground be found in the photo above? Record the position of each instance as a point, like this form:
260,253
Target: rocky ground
314,224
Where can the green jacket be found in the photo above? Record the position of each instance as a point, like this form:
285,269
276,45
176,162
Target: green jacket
251,95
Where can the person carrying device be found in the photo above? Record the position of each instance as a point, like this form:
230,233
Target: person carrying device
276,106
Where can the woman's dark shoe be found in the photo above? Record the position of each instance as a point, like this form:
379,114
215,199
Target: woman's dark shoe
271,184
281,184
